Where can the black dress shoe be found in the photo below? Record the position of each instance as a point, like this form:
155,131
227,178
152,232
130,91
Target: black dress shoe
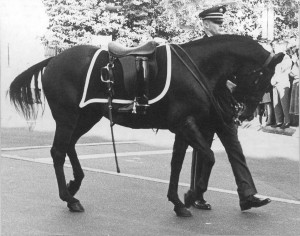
285,125
202,205
253,201
276,125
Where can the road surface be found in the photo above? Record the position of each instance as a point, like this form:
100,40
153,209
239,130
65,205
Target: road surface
134,202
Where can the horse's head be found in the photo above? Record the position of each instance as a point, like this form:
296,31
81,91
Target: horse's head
239,59
253,80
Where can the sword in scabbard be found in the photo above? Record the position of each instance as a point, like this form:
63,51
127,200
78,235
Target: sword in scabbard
112,131
109,81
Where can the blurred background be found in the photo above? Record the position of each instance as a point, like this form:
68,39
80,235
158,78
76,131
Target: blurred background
32,30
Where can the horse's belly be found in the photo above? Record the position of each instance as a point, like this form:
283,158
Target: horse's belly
134,121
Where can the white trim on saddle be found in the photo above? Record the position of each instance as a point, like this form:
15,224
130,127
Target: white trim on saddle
83,103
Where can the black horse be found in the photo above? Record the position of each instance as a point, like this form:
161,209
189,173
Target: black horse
199,70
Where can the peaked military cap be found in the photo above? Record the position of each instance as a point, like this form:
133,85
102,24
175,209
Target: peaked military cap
214,14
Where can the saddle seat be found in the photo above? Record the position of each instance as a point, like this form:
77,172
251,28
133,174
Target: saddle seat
119,50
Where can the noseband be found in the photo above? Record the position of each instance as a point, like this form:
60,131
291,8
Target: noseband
239,106
258,73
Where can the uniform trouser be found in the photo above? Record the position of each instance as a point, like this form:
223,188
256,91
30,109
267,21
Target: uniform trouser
281,104
243,178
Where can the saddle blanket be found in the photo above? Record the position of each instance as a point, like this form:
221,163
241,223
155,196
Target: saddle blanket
95,90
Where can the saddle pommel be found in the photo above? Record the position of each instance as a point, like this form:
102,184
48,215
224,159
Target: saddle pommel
119,50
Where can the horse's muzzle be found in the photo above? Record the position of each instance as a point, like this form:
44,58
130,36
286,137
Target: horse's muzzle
245,113
248,118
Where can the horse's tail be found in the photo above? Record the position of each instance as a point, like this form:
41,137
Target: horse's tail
22,96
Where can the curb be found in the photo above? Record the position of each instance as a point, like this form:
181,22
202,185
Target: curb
291,131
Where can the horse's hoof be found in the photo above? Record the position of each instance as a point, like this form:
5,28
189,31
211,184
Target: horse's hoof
188,199
75,207
182,212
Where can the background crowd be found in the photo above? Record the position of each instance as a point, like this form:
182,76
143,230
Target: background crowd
73,22
279,107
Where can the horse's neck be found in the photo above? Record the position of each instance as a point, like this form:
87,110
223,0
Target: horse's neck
241,51
216,66
220,59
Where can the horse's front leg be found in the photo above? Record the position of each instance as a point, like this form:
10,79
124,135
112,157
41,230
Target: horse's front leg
179,150
187,134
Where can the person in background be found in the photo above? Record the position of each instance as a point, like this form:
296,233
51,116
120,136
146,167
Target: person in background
200,171
294,102
281,89
265,107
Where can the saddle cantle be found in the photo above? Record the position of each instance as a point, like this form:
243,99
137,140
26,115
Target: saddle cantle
118,50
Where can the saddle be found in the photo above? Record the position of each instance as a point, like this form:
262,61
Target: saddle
117,50
138,64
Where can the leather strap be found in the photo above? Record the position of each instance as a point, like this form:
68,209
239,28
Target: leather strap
203,84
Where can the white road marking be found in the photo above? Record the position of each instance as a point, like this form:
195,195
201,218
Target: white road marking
156,180
120,154
81,144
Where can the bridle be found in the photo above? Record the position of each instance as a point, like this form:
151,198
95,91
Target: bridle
204,84
239,107
258,73
262,68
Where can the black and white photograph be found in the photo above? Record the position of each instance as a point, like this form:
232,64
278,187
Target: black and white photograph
154,117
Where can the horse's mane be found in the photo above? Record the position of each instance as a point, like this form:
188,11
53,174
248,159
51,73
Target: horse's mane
238,41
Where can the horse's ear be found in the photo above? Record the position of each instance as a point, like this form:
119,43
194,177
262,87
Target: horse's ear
277,58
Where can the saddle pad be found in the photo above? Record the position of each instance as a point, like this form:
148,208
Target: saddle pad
95,91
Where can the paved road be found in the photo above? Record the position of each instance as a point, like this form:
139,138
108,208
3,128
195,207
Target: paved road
134,202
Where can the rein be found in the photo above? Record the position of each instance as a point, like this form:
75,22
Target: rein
204,84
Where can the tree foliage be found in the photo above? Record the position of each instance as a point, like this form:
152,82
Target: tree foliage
286,18
134,21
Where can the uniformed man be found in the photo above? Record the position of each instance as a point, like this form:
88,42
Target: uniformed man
212,19
212,24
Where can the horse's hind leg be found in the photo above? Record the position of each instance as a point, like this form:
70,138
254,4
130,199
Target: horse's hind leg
74,185
63,134
85,122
